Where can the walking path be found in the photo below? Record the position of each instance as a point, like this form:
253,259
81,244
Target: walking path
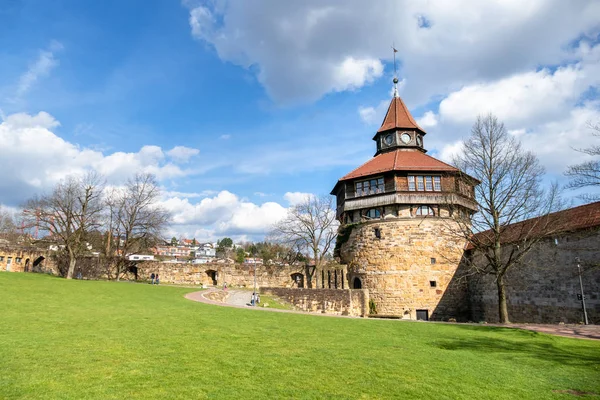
241,299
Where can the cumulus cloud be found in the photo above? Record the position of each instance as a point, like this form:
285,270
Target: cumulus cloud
520,98
303,50
33,158
428,120
295,198
374,115
225,214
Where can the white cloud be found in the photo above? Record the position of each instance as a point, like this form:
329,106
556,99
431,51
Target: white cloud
354,73
182,153
40,68
374,115
186,195
555,142
225,137
428,120
450,150
295,198
33,158
303,50
522,97
225,214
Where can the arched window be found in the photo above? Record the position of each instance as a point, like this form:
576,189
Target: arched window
373,213
424,210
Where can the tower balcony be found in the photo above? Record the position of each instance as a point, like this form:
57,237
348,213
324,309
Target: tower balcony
421,198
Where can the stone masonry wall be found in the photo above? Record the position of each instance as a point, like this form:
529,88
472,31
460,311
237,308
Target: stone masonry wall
329,301
23,258
544,288
409,268
232,274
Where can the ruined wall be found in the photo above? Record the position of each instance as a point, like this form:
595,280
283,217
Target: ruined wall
220,273
409,268
328,301
26,259
544,288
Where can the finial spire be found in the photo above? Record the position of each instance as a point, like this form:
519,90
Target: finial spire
395,80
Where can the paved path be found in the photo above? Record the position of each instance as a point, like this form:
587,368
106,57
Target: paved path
240,299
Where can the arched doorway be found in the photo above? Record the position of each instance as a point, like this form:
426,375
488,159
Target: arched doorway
26,265
357,283
37,263
134,270
298,280
212,274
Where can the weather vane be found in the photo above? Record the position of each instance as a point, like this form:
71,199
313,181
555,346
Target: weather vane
395,80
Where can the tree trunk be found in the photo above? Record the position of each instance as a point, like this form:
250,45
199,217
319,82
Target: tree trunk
502,308
72,262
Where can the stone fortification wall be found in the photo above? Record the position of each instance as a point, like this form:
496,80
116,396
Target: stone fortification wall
544,288
214,274
26,259
407,264
329,301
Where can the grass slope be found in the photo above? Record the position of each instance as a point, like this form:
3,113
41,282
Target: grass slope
106,340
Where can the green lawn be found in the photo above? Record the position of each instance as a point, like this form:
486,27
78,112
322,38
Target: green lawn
106,340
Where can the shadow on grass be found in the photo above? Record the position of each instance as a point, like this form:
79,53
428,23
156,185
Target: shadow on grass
522,343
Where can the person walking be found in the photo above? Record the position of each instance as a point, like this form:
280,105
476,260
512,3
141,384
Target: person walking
257,298
157,279
152,276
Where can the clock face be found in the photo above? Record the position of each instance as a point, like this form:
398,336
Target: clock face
405,138
389,139
419,141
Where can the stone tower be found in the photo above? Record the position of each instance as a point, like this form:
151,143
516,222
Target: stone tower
397,212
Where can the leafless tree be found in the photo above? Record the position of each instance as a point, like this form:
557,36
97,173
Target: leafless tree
311,226
69,213
8,229
586,174
514,209
135,220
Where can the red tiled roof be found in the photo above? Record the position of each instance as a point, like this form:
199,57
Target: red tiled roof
398,117
399,160
572,219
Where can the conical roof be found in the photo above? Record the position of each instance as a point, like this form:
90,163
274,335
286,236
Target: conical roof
398,117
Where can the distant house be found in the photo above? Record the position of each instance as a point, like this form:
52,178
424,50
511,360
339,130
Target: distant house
140,257
206,250
253,261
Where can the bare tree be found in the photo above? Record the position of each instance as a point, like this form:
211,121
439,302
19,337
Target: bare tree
8,229
513,208
136,221
69,213
310,225
586,174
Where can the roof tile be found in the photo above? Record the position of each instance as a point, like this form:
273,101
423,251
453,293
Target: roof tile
398,117
399,160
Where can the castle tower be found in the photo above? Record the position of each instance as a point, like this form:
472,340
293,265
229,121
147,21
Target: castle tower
397,212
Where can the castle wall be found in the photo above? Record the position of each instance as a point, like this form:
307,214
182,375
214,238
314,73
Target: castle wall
22,259
409,268
544,288
232,274
329,301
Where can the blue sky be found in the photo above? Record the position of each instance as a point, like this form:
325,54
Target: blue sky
241,108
